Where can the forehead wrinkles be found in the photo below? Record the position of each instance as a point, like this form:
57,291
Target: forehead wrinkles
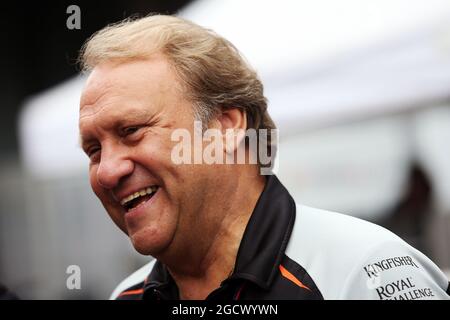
92,94
90,110
155,83
109,96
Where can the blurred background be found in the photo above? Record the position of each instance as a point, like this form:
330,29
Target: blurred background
359,89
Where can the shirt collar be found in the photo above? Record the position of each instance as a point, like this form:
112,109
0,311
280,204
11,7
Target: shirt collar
266,236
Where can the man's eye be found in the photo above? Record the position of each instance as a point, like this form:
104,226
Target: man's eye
91,152
130,130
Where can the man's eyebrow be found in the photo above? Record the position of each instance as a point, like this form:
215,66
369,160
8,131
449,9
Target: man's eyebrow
132,115
135,115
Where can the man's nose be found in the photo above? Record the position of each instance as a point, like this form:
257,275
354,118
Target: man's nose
114,165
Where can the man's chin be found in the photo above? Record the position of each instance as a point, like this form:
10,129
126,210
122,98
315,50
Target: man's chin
147,244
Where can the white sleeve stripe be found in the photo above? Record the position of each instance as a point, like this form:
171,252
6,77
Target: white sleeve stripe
135,278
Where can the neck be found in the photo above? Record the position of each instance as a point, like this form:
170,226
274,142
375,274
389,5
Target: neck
213,260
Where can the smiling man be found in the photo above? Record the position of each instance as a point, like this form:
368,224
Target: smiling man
217,230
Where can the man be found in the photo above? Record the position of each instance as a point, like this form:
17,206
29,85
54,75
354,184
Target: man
220,229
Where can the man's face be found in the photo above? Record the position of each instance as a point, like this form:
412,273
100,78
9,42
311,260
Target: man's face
127,115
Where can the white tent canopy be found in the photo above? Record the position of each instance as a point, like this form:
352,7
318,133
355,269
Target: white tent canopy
323,61
277,36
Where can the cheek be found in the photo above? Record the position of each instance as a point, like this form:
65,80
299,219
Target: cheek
155,152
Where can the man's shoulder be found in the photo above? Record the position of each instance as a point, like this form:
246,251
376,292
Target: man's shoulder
342,254
335,231
329,245
132,280
333,241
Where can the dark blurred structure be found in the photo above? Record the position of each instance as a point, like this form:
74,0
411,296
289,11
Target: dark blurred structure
5,294
410,216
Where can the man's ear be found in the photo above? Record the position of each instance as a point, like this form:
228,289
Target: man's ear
233,123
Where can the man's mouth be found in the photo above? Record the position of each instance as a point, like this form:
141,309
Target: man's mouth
138,198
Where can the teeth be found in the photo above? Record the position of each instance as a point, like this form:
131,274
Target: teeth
137,194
